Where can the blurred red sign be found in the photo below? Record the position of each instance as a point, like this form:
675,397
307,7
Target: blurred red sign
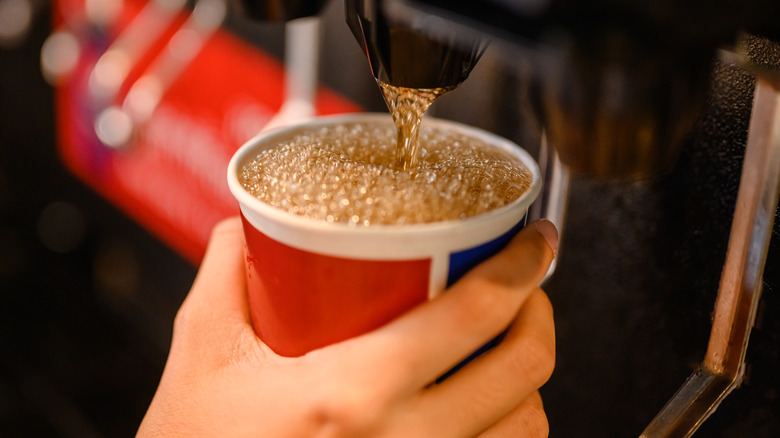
170,175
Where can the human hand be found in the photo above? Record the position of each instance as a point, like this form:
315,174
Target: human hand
221,380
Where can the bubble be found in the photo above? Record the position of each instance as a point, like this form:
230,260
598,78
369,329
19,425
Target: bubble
346,173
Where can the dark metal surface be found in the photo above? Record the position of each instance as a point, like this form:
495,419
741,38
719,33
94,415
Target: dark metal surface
619,83
634,324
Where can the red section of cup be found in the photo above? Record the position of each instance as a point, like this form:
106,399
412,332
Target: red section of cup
313,283
302,300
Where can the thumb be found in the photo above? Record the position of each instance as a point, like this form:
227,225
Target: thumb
218,293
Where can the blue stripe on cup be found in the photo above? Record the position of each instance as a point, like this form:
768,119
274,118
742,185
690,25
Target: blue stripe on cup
462,261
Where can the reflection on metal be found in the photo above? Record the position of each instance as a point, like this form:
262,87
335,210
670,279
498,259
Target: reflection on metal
301,61
553,200
116,125
59,56
113,67
735,309
113,127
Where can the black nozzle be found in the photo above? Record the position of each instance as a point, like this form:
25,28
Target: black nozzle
407,54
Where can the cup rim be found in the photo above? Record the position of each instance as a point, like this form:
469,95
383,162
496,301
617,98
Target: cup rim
247,200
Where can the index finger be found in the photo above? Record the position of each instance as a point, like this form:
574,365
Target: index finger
437,335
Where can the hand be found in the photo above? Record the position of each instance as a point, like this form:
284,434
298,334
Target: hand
221,380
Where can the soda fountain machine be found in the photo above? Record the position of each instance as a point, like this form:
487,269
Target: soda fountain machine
657,123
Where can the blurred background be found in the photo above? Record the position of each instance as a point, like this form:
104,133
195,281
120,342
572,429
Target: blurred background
93,268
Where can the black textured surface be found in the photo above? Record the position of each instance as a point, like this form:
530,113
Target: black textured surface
639,273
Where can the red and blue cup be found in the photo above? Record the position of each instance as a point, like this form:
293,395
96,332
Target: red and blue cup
313,283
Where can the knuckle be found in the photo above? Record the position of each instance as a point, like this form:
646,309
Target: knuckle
182,319
337,412
536,354
534,422
528,420
543,300
536,359
186,327
487,302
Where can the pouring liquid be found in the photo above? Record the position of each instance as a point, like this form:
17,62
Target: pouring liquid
407,107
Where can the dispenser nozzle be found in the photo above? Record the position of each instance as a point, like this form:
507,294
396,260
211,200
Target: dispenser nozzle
407,54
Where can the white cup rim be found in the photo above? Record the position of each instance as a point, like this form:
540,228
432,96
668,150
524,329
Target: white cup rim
248,202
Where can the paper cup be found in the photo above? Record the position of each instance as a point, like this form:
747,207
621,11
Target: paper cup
312,283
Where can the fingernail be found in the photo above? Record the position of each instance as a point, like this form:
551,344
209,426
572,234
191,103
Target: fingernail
548,231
